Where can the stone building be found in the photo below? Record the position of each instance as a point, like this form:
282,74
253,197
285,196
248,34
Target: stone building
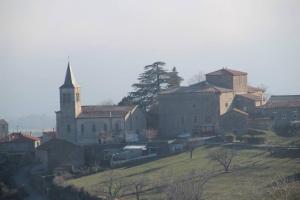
3,129
235,121
94,124
19,143
197,109
60,153
48,135
282,109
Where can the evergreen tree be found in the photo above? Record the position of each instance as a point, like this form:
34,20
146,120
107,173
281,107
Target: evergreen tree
151,81
174,79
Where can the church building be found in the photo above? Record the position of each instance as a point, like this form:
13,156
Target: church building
95,124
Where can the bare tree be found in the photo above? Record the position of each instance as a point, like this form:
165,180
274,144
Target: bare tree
188,187
113,186
224,157
196,78
192,144
266,94
139,183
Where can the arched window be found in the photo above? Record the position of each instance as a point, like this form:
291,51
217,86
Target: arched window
68,128
82,129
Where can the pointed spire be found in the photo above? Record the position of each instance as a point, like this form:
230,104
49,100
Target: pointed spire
70,81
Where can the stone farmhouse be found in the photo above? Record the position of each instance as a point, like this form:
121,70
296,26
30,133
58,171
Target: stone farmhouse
220,103
94,124
60,153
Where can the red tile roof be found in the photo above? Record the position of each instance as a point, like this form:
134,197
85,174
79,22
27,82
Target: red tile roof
283,101
16,137
202,87
104,111
227,71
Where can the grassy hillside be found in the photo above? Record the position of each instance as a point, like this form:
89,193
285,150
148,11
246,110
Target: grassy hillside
252,170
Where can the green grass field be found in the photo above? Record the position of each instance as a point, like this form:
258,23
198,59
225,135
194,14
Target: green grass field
252,170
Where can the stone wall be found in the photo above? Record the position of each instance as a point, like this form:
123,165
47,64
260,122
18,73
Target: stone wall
65,155
226,100
187,113
234,122
240,84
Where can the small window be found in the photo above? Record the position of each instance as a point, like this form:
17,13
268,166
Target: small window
94,128
105,127
64,98
182,120
82,129
195,119
68,128
226,104
194,105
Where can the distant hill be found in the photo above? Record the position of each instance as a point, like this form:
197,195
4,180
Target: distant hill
32,123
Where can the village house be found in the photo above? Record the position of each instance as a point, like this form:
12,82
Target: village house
94,124
60,153
48,135
19,143
3,129
198,109
282,109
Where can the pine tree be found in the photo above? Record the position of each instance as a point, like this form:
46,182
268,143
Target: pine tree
151,81
174,79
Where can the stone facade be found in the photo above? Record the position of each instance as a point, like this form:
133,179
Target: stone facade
60,153
198,109
94,124
3,129
234,121
231,79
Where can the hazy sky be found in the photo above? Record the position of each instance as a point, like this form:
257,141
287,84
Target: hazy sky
110,41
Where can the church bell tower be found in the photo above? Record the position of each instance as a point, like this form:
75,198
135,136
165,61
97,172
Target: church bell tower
70,107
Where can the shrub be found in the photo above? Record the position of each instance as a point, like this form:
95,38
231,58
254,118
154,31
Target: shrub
254,132
254,139
285,130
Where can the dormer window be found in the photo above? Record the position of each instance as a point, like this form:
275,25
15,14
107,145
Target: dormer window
77,97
